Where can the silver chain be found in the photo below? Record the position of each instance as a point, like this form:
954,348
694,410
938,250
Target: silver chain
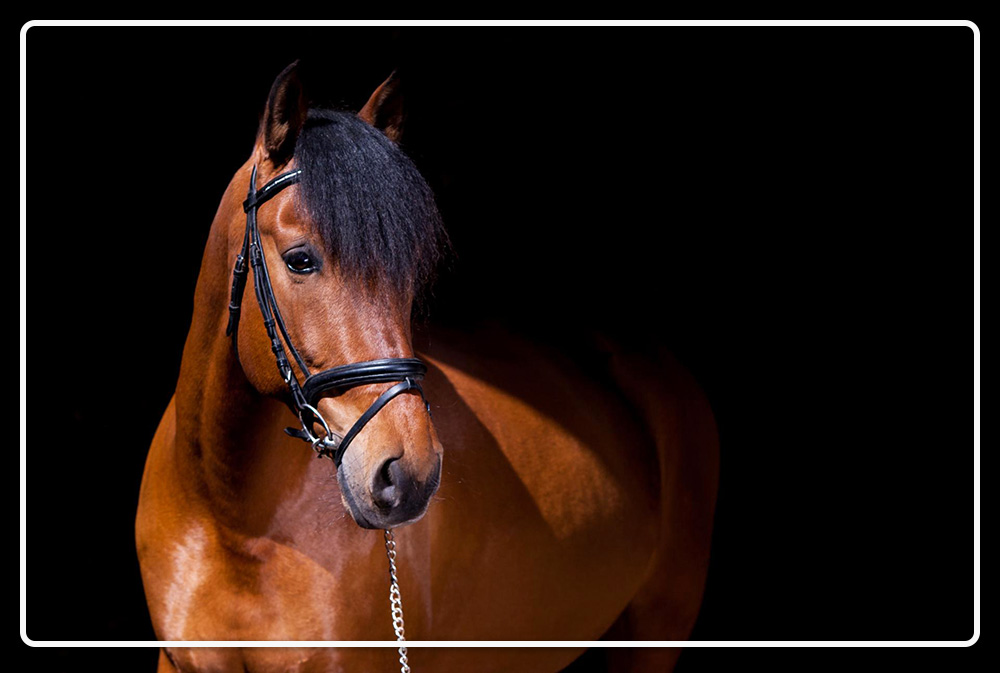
396,601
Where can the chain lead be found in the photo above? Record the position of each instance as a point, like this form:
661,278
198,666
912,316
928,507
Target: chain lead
396,601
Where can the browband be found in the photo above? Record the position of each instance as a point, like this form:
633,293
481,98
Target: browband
406,371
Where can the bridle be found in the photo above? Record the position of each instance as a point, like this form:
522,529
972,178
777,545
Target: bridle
305,396
406,372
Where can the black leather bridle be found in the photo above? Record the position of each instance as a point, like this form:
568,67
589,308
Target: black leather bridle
405,371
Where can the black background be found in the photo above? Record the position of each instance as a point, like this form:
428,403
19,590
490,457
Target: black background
780,206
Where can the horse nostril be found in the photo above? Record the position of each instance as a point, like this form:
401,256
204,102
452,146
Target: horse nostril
386,473
386,491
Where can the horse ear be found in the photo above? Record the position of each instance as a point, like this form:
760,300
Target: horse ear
285,114
384,110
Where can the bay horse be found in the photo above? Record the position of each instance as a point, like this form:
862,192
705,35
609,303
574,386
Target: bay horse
571,505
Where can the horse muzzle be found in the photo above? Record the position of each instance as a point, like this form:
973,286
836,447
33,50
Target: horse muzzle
390,494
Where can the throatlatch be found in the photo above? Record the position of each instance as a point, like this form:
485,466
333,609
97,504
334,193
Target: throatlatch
407,372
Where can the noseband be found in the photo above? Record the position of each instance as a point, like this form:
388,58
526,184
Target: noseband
405,371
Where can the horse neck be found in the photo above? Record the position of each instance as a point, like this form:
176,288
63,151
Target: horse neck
224,428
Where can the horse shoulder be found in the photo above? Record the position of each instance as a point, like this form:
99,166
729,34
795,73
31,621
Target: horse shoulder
555,474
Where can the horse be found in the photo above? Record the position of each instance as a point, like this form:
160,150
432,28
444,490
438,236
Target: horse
527,498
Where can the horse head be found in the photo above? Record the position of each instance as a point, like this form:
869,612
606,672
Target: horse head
340,235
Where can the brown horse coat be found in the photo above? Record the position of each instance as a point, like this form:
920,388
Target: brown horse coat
567,508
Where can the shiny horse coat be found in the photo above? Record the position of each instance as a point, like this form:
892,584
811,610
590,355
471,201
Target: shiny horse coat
535,501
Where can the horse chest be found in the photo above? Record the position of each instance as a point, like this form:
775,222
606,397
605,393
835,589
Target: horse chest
208,586
279,659
343,660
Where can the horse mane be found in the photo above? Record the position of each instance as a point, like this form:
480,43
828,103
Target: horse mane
372,207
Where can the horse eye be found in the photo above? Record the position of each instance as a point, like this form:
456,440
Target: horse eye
299,261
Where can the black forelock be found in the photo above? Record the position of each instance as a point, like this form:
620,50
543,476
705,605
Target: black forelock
375,212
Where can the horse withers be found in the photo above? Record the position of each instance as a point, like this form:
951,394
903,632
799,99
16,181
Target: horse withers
565,508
